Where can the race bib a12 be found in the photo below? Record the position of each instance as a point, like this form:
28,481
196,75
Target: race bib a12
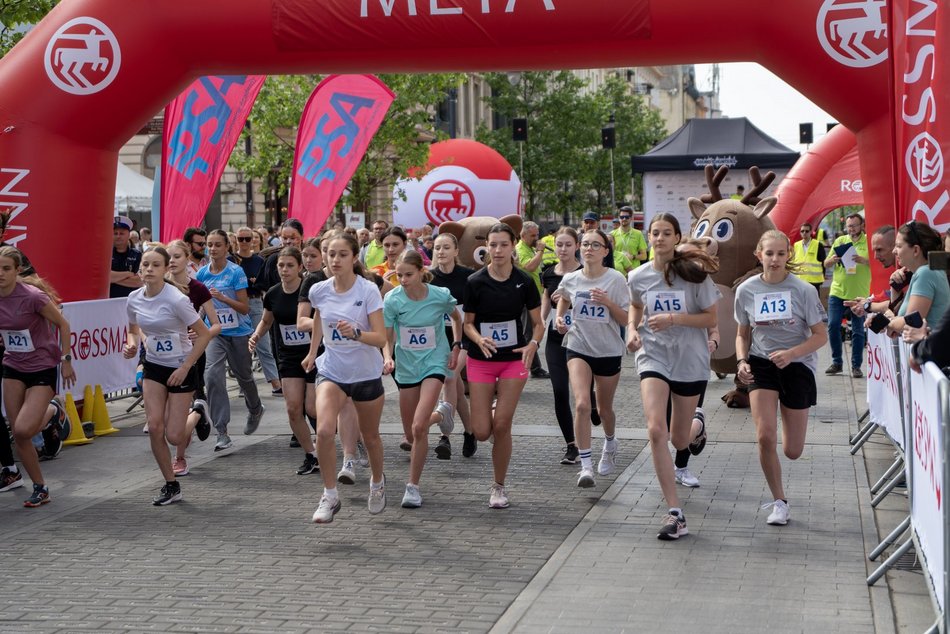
586,309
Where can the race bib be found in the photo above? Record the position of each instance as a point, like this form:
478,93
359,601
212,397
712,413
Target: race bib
227,317
17,340
448,319
164,346
417,338
293,337
666,302
772,307
337,340
586,309
503,334
552,319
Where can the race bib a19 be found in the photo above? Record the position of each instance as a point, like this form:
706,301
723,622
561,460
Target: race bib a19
772,307
290,336
336,339
17,340
164,346
227,317
422,338
666,302
503,334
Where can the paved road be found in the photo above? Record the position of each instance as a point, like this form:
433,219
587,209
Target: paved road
240,555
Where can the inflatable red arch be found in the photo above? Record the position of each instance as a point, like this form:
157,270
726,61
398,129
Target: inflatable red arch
90,74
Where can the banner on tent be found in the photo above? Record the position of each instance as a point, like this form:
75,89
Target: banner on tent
98,330
340,119
927,464
882,388
202,126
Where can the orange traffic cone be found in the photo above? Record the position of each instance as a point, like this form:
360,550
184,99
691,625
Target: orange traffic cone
100,415
76,435
87,404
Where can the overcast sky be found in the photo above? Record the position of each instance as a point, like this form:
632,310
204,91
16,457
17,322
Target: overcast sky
773,106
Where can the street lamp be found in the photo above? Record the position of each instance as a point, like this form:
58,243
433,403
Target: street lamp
608,138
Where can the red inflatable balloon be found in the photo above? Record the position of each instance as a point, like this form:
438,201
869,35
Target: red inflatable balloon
85,79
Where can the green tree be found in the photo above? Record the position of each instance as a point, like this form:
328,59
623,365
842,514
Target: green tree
400,143
16,16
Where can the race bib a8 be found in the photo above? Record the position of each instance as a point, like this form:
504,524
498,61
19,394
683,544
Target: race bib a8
17,340
422,338
164,346
772,307
503,334
290,336
666,302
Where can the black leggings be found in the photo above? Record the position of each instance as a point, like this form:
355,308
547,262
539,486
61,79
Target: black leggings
682,455
556,356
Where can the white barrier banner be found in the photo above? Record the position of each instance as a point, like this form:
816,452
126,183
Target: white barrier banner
882,389
927,464
98,331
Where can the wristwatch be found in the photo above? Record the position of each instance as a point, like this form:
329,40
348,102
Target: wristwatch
66,357
457,344
867,305
356,334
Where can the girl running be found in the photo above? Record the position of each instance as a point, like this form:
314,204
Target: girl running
280,306
414,314
599,299
162,314
781,328
348,317
448,273
32,363
499,356
227,284
673,303
199,418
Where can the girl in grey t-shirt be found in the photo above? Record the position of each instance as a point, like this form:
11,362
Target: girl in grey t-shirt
781,327
672,304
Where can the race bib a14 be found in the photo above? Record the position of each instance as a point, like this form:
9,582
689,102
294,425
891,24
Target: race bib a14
290,336
772,307
227,317
17,340
420,338
503,334
666,302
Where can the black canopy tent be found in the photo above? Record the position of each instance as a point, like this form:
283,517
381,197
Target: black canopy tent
735,143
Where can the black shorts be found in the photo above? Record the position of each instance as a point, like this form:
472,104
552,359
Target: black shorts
359,391
409,386
160,374
680,388
599,366
46,378
795,383
291,369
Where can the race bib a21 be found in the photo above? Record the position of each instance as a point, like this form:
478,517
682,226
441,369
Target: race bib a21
17,340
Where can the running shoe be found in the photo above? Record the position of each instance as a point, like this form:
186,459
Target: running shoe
411,499
606,464
447,412
145,429
310,465
347,474
294,443
170,493
39,498
443,450
10,480
674,527
362,458
685,477
224,443
277,392
498,497
253,421
326,510
405,445
180,467
377,497
779,514
570,455
696,447
203,428
585,479
53,432
469,444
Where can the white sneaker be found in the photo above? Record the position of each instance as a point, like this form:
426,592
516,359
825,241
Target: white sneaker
585,479
326,510
412,499
606,464
377,498
447,412
362,458
685,477
347,474
498,498
779,514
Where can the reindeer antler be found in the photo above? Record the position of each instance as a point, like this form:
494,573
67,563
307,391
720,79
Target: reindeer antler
759,185
712,181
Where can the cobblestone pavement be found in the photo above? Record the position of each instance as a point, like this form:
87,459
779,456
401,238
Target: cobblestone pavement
239,554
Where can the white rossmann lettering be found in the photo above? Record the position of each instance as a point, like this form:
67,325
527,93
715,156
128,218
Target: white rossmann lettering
852,185
929,7
434,9
13,201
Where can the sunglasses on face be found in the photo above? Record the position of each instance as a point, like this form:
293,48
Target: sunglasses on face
245,239
199,244
625,217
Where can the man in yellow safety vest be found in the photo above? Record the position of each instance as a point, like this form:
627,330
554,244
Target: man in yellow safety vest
809,254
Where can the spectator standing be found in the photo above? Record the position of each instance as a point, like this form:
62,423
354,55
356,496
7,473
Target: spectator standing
198,242
124,277
848,282
809,254
373,254
629,241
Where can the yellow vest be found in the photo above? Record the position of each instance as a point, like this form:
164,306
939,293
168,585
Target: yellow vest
811,270
549,257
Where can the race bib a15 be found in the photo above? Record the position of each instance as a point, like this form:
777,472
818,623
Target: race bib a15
666,302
